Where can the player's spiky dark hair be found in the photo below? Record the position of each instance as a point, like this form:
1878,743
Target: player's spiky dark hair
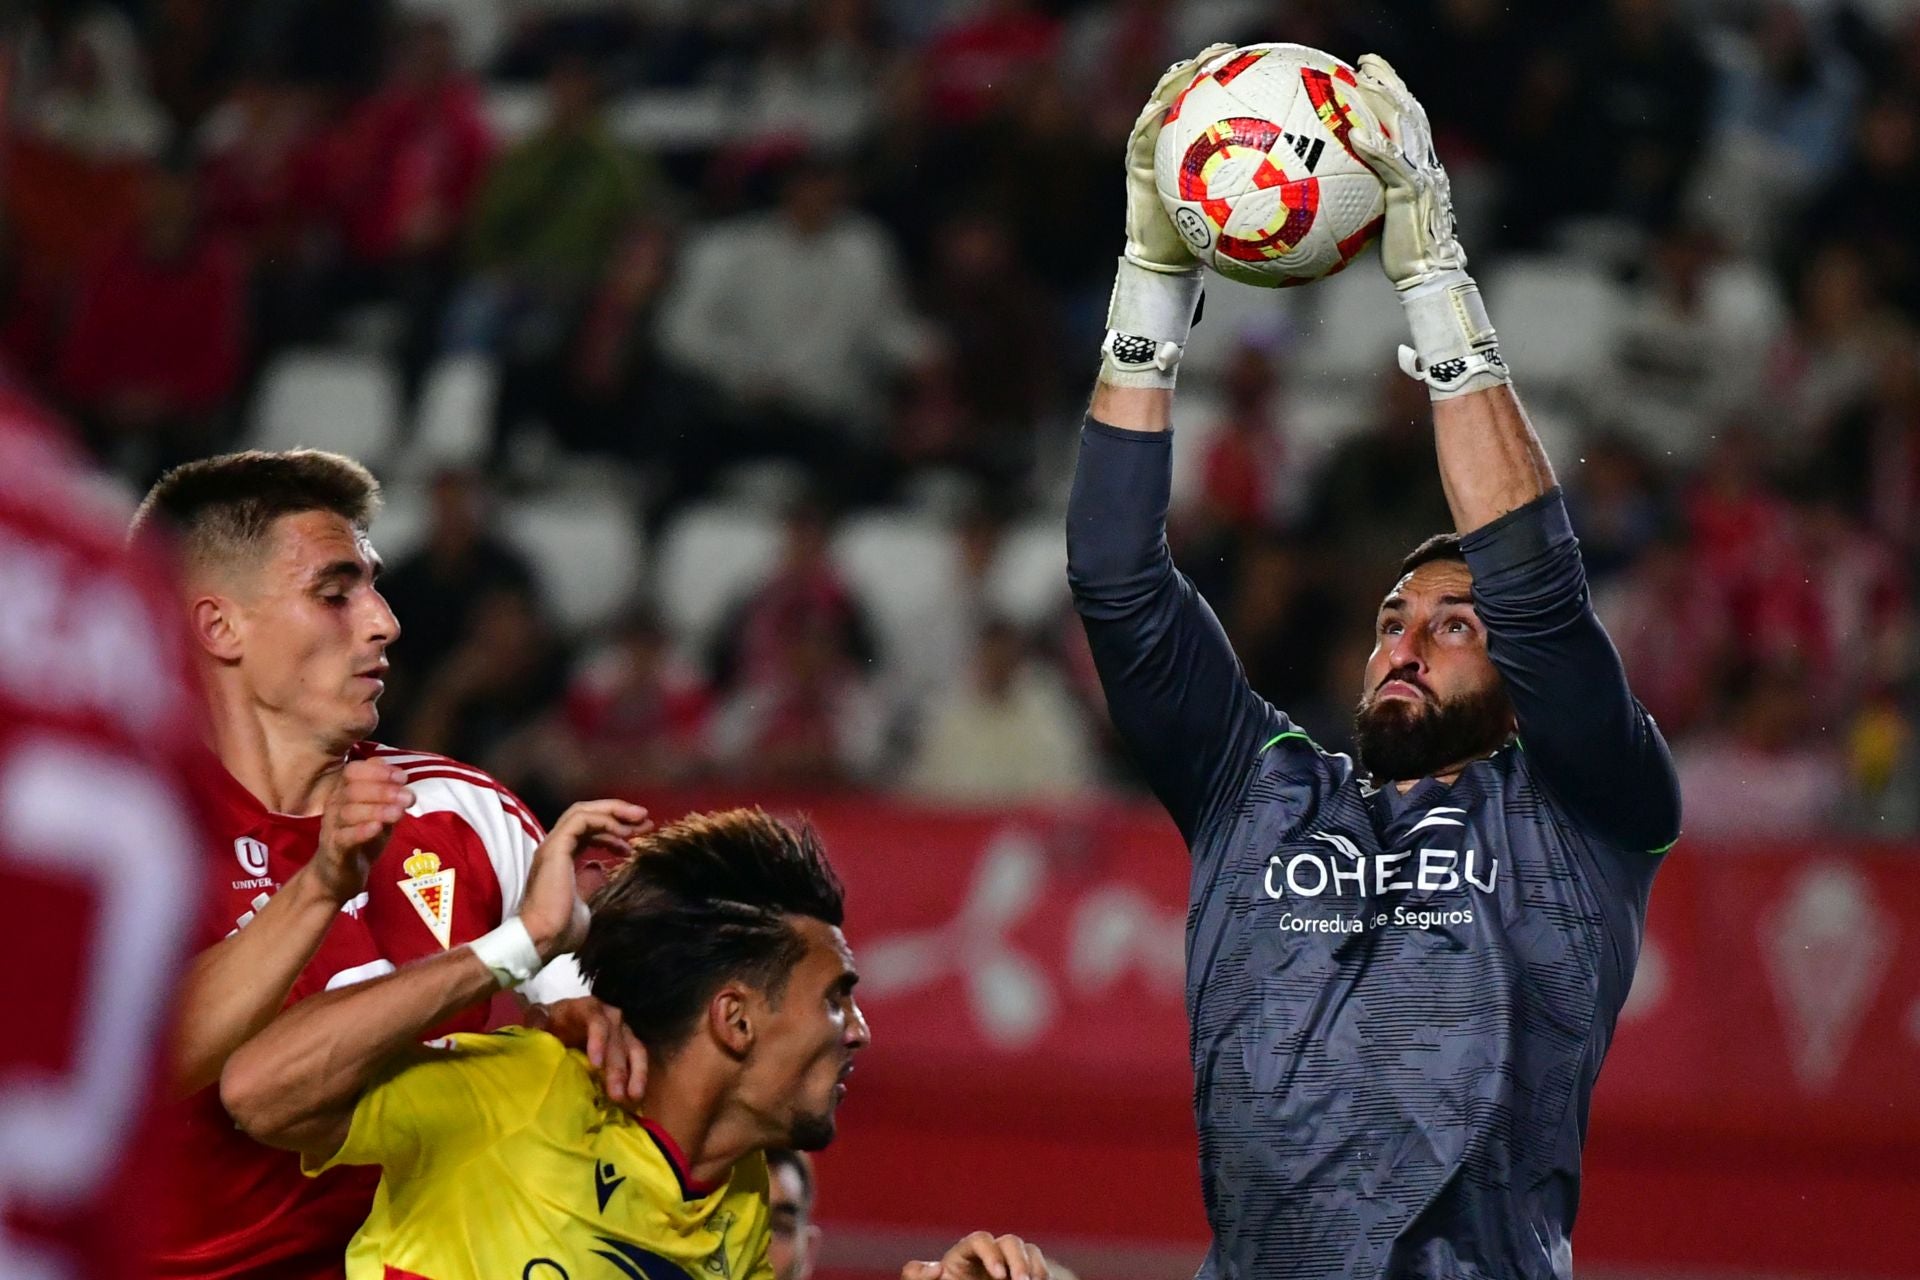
225,506
1441,546
704,902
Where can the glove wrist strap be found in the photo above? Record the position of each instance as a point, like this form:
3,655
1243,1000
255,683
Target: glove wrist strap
1455,350
1149,318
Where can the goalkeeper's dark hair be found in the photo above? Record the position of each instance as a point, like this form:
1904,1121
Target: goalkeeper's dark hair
706,901
1441,546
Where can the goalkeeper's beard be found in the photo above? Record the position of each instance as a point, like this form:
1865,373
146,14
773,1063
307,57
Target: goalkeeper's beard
1399,741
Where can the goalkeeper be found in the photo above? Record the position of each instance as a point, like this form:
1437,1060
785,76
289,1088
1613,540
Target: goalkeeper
1403,972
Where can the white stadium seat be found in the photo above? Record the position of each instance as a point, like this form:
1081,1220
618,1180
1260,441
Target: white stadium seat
1029,582
1352,324
708,557
586,551
900,566
1557,316
346,402
453,423
401,527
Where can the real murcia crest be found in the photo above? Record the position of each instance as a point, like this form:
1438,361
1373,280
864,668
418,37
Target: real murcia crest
430,890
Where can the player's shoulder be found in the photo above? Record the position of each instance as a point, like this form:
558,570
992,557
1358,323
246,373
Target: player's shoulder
1291,749
521,1053
441,784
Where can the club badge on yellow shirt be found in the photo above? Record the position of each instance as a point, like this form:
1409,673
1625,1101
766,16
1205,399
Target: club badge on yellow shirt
430,890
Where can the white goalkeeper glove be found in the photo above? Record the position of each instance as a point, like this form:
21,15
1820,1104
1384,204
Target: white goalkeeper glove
1157,288
1454,347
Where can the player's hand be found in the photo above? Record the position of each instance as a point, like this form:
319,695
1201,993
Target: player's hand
983,1256
356,825
1417,244
598,1030
1152,241
552,911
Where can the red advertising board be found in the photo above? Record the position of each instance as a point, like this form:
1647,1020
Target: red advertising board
1023,973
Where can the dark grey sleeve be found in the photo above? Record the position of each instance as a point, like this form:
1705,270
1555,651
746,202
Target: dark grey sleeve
1174,688
1585,735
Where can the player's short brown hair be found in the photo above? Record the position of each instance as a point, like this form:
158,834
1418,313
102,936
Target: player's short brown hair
703,902
224,507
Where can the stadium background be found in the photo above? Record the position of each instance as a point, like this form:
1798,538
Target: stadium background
723,360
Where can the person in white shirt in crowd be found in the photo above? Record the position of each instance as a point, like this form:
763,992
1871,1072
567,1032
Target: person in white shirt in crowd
1007,729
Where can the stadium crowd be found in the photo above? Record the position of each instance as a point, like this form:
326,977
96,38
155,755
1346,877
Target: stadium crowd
870,241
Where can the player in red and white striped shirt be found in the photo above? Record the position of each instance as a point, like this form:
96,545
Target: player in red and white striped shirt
100,857
343,858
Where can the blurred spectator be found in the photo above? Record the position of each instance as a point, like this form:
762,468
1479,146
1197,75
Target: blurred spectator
1785,104
969,66
1691,347
92,98
410,160
268,178
487,696
1825,360
635,716
1006,730
1378,496
1777,770
803,592
1250,483
434,590
1615,505
799,319
1284,621
1874,202
806,716
1669,620
152,357
821,72
1610,121
551,210
1873,453
605,389
999,338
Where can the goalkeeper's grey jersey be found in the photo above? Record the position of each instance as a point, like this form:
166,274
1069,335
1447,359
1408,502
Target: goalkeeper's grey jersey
1399,1002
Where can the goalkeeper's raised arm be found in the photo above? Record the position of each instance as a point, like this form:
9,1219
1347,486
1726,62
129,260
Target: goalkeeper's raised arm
1594,745
1175,690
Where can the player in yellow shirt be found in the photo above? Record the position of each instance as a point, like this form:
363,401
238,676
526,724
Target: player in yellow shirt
501,1155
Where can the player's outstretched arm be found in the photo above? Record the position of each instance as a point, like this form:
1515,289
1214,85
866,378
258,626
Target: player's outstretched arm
1591,741
295,1084
235,987
1174,688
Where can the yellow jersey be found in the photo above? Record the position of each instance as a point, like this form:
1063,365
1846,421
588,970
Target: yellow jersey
500,1157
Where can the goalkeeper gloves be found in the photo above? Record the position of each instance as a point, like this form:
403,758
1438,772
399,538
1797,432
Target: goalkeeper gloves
1454,347
1157,289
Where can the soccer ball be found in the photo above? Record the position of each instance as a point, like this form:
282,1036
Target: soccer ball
1256,170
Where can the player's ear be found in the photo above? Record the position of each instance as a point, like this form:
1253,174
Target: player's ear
215,623
730,1019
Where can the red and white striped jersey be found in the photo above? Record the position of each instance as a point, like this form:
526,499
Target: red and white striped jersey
101,864
455,868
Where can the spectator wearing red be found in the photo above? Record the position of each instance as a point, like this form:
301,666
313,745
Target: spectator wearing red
805,592
411,158
154,349
971,64
635,716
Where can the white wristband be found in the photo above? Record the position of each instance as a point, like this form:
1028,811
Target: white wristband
1149,318
509,952
1455,349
